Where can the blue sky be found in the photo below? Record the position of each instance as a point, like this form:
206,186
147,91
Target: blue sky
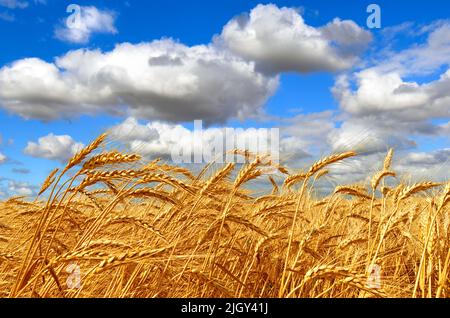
324,103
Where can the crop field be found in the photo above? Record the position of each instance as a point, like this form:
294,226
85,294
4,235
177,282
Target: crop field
112,225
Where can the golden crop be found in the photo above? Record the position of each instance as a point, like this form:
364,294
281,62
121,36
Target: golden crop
125,228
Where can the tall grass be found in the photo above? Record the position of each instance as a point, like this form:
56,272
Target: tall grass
137,229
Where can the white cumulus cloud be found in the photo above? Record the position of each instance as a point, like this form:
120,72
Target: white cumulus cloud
158,80
53,147
389,93
80,25
158,139
390,103
20,188
167,80
278,40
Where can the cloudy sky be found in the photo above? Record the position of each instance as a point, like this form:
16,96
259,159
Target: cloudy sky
145,70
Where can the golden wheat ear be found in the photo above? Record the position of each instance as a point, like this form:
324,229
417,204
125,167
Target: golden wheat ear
157,231
48,181
293,179
415,188
82,154
388,160
353,191
109,158
220,175
379,176
329,160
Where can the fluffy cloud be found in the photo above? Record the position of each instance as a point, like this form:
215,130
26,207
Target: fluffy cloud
304,136
80,26
166,80
309,129
157,139
390,104
400,102
20,188
278,40
427,158
391,89
53,147
425,165
302,139
383,105
162,79
389,94
10,188
369,136
420,59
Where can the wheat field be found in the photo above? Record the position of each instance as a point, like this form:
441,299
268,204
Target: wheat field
112,225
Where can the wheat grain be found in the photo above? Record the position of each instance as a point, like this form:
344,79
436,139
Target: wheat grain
415,188
328,161
157,230
82,154
353,190
379,176
108,159
48,181
388,160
